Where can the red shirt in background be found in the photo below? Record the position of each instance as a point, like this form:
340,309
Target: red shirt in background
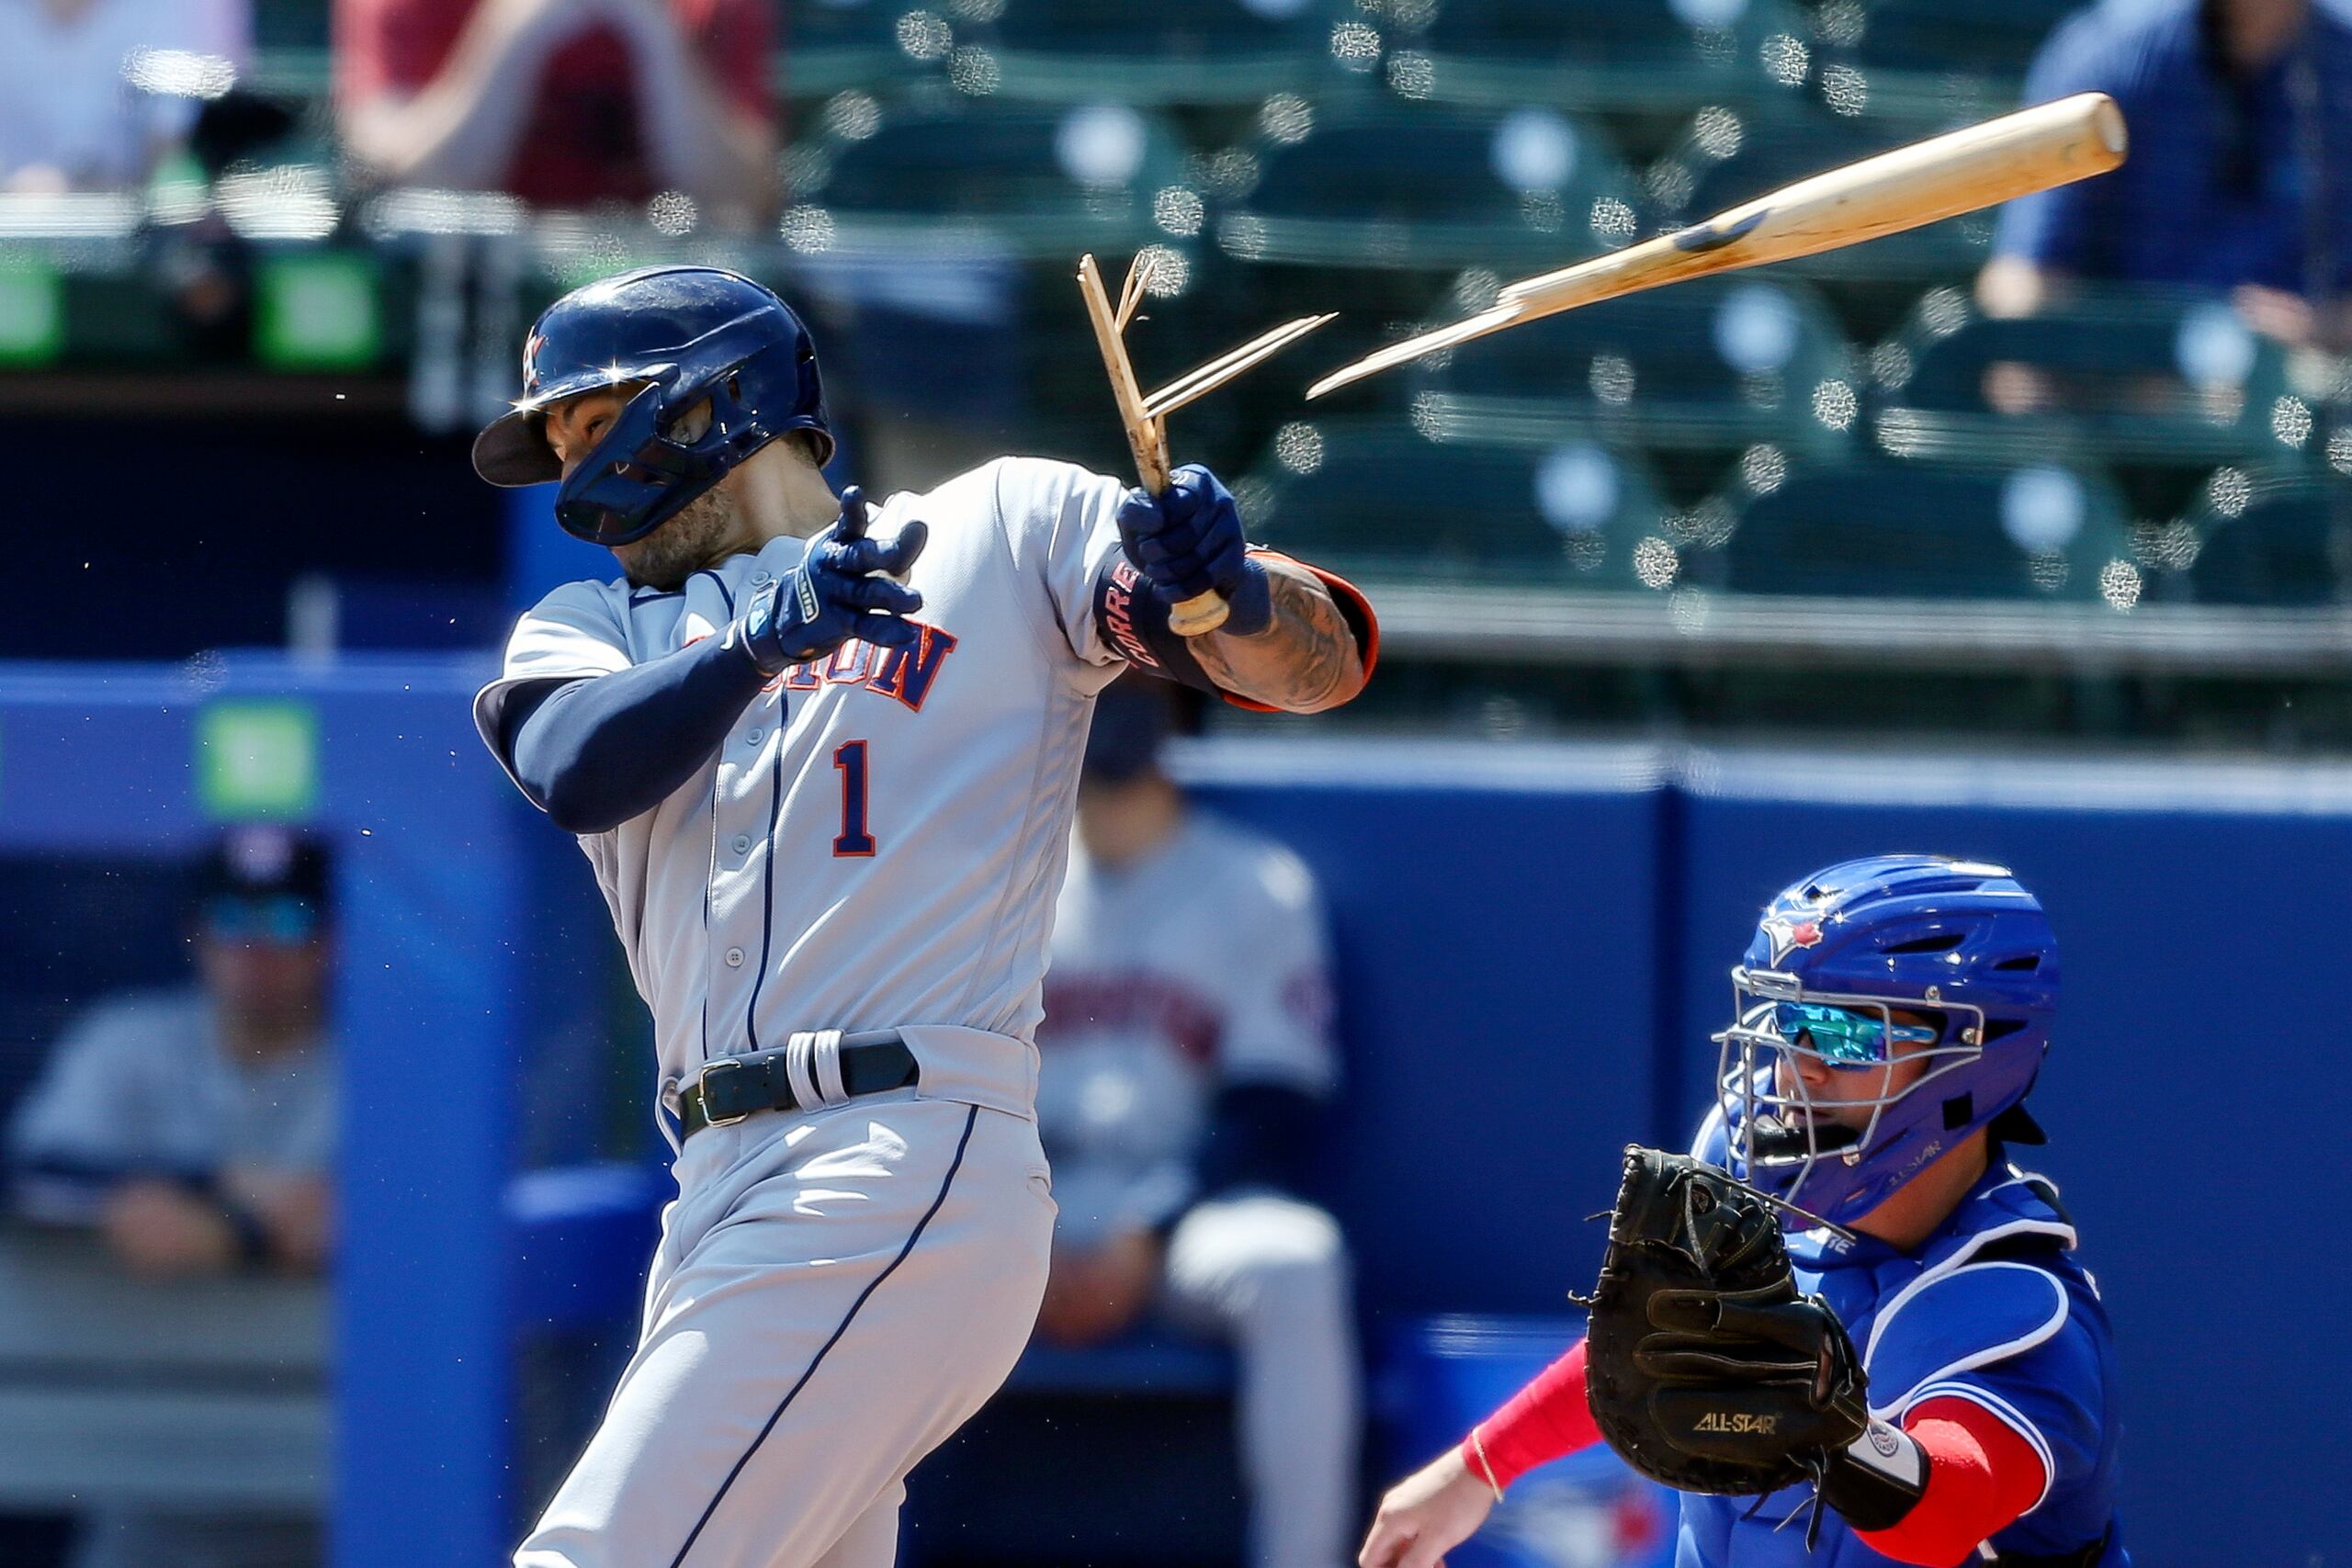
584,144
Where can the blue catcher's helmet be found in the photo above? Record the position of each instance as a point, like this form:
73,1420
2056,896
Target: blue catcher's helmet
688,332
1959,948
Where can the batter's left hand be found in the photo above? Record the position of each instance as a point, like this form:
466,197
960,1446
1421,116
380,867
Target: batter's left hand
841,589
1189,542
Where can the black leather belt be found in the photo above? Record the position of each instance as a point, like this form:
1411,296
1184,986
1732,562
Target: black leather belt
799,1077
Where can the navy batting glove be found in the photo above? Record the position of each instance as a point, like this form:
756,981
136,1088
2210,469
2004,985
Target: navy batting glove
841,589
1190,541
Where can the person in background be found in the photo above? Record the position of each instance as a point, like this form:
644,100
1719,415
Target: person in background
94,94
195,1130
563,103
2240,176
1188,1054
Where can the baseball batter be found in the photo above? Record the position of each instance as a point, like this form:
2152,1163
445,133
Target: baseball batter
822,756
1892,1014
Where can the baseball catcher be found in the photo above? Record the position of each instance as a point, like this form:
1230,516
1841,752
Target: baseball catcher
1844,1326
1709,1370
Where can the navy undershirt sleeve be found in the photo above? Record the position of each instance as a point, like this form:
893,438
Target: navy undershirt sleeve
595,752
1261,1135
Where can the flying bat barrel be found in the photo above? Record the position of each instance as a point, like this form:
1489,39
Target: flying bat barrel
1962,170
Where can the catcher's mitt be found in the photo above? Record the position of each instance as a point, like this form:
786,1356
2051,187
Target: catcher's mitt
1704,1367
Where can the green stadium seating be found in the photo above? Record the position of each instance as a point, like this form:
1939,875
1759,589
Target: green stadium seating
832,45
2270,538
1874,528
1376,496
1028,180
1621,55
1425,188
1708,366
2145,380
291,57
1169,51
1930,57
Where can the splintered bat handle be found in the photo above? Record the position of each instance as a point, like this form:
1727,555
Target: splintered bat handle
1203,612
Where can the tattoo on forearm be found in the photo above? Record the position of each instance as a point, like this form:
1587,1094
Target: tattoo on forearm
1305,661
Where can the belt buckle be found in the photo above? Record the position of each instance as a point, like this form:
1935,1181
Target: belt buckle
702,1081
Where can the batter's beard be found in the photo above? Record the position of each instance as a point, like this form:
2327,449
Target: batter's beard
695,538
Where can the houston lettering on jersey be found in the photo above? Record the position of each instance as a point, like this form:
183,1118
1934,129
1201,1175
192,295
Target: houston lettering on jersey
903,673
1133,999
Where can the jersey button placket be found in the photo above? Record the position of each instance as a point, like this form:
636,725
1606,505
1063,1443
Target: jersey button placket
745,788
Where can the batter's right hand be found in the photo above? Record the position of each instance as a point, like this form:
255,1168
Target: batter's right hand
1427,1514
841,589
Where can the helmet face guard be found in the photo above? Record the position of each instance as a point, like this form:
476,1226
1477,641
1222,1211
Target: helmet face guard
1785,1140
645,470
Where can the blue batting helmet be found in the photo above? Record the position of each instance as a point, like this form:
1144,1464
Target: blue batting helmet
1866,967
688,333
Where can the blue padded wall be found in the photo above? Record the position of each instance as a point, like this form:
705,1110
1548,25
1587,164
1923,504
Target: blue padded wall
1495,927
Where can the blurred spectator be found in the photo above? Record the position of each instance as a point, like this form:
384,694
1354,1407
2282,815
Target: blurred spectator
95,92
196,1129
564,102
2240,174
1188,1054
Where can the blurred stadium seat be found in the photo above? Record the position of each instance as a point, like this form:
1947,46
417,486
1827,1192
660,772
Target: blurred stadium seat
1624,55
2142,379
935,175
1874,528
1172,51
1362,186
831,45
1707,367
2270,540
1376,495
291,54
1935,58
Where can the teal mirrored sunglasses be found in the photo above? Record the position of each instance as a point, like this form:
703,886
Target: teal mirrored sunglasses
1845,1037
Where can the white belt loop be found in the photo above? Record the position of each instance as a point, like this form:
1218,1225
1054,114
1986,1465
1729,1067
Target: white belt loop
826,1048
797,1051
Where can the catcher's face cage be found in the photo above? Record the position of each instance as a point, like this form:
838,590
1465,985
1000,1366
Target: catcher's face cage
1780,1135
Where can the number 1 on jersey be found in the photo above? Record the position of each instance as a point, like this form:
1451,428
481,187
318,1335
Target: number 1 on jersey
854,841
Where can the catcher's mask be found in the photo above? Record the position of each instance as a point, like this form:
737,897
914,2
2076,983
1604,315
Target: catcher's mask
685,336
1864,966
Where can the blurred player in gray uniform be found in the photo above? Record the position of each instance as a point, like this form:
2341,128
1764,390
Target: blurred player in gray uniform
1187,1055
822,756
195,1129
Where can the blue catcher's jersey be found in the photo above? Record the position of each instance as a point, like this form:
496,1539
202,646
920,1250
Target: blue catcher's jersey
1993,1308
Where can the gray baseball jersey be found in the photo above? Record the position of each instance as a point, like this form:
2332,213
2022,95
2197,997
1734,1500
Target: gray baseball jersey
1203,964
878,842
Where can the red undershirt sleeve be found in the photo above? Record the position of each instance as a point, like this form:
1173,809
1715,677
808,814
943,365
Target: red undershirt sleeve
1548,1418
1981,1477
